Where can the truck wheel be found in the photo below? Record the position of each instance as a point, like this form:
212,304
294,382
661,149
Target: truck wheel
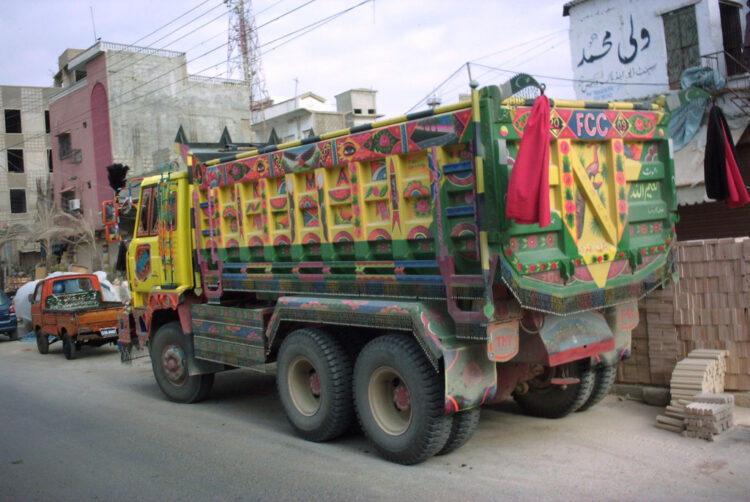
69,347
313,376
399,400
463,427
605,379
169,361
42,342
545,399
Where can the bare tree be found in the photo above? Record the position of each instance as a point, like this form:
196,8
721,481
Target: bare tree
50,225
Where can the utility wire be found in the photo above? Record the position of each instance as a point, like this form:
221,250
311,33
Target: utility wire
316,24
460,68
574,80
191,32
172,21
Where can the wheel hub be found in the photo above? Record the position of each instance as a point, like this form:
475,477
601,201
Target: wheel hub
305,387
314,383
401,397
390,401
175,368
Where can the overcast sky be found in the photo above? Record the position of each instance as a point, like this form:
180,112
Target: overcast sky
401,48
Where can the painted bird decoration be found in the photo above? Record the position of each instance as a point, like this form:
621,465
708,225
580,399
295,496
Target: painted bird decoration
593,170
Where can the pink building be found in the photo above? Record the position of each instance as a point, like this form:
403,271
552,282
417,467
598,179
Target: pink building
124,104
80,130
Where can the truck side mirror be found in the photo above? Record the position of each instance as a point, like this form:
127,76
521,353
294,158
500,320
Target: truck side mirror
109,212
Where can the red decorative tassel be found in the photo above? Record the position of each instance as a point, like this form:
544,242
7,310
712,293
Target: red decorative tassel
528,189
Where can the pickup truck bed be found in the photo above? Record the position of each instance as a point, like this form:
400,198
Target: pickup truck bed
77,318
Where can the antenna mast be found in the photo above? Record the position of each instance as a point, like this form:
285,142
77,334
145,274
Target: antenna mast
244,57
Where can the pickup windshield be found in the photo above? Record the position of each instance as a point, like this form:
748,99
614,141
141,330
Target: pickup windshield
76,285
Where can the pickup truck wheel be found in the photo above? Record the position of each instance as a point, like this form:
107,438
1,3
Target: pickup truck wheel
605,379
169,361
399,399
314,374
549,400
42,342
69,347
463,427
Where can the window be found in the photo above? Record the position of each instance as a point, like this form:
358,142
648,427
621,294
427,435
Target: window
13,121
63,141
371,111
144,212
15,161
358,111
731,34
38,293
46,121
17,201
681,34
49,159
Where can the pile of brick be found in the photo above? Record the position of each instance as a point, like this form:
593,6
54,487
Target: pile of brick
709,415
709,308
701,373
712,302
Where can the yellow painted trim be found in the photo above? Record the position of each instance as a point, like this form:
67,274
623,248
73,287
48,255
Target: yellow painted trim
596,204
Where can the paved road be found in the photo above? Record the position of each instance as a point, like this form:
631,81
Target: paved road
93,429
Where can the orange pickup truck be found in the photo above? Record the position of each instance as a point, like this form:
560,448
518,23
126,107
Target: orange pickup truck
70,308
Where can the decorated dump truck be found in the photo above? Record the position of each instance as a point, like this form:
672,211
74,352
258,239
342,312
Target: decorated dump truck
376,268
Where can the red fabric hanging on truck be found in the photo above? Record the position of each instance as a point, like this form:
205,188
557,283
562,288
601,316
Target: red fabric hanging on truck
528,189
722,174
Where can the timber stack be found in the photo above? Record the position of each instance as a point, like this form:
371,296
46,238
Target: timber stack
699,375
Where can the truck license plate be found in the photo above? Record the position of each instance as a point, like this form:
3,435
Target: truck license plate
109,331
502,340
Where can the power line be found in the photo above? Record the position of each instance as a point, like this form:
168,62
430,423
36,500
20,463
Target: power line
115,69
316,24
460,68
532,40
575,80
172,21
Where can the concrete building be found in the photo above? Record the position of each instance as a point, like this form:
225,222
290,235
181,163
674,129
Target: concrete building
123,104
635,50
309,114
25,159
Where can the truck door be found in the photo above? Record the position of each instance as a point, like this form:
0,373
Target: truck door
143,254
48,319
160,254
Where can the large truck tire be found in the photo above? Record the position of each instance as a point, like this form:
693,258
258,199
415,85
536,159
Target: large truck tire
463,427
70,348
169,361
548,400
42,342
603,382
399,400
314,380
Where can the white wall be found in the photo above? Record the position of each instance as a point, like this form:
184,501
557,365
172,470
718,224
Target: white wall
636,57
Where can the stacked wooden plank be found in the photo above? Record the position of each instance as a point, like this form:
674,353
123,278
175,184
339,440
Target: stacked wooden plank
709,415
701,373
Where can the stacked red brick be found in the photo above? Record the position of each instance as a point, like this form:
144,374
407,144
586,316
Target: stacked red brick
708,308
